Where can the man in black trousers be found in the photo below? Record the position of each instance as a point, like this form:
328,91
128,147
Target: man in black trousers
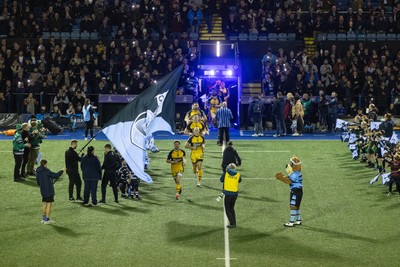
224,117
230,155
110,166
231,179
71,163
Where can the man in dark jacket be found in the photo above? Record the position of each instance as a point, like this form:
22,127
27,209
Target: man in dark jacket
255,112
46,179
110,166
278,110
91,172
18,152
230,155
71,163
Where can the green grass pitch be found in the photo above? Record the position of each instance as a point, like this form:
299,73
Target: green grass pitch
346,222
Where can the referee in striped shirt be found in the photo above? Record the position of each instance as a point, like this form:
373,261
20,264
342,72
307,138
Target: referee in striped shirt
223,116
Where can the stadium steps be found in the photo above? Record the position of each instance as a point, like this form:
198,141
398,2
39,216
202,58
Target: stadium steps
216,31
310,45
251,89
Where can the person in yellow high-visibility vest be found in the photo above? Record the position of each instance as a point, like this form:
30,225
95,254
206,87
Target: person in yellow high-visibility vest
231,179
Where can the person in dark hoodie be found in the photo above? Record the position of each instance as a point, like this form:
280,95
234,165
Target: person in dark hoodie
46,179
230,155
231,179
387,126
71,163
255,112
91,172
278,110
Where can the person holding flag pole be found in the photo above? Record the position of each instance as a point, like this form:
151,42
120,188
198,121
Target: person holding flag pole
151,111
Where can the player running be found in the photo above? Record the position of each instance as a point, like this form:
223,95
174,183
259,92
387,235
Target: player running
177,158
197,143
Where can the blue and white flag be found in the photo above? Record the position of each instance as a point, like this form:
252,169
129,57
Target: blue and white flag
151,111
394,139
345,137
352,138
353,147
355,154
374,179
375,125
386,178
340,124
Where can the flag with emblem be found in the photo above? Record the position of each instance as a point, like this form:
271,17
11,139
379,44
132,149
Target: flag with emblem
151,111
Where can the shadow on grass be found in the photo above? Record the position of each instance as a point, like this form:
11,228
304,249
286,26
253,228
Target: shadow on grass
133,209
337,234
66,231
250,241
30,182
194,235
260,199
213,188
203,206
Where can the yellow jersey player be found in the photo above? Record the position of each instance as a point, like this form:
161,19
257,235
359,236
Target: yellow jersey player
195,111
196,122
177,158
197,143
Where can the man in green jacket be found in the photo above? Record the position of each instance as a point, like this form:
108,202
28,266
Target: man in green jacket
37,136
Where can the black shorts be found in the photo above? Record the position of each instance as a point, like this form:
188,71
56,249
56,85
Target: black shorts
295,197
48,199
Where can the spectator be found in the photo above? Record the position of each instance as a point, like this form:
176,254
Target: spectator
255,112
278,111
194,17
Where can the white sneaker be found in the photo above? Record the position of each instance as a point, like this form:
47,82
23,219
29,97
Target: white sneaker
261,134
198,184
94,139
296,134
276,135
289,224
254,135
85,138
298,222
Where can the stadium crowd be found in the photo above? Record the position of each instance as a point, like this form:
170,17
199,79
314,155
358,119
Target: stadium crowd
55,75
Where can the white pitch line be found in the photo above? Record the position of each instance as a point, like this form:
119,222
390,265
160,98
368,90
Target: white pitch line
254,151
226,237
213,178
5,151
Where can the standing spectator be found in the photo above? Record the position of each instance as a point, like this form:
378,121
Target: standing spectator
88,118
231,179
18,151
194,17
224,117
91,172
387,126
298,114
278,111
323,112
71,163
230,155
46,179
332,112
105,29
26,137
256,109
30,102
110,166
208,9
306,102
20,97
